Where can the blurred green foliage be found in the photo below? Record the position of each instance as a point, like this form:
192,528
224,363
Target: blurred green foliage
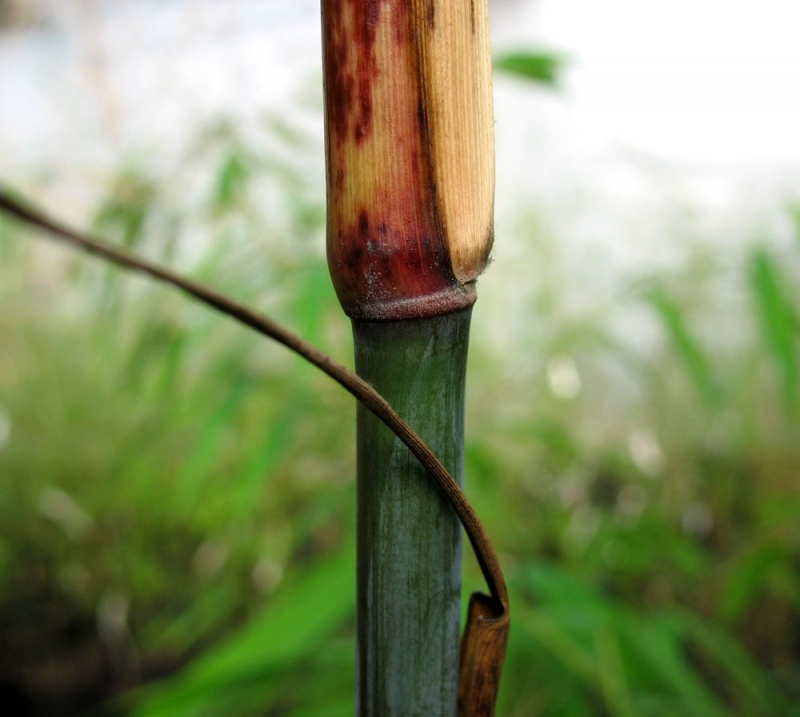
177,500
541,67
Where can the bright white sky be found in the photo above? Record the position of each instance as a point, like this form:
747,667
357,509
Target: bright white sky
706,81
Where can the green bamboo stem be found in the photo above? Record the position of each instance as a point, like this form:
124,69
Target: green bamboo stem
410,179
409,539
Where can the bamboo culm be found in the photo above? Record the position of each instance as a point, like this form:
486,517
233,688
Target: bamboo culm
409,540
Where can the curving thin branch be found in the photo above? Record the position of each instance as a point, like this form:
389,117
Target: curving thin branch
360,389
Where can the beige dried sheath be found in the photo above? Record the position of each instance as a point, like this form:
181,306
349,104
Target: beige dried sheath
410,153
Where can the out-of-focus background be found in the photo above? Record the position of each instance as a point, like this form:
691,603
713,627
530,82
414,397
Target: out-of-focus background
177,495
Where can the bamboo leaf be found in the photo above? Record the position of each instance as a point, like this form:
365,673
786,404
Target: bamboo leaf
543,68
296,623
747,681
611,669
124,212
688,348
778,321
656,648
794,217
232,179
557,639
201,463
314,297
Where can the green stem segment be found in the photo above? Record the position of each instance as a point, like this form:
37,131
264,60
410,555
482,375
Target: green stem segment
409,539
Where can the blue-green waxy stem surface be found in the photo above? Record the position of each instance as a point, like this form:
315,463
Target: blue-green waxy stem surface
409,540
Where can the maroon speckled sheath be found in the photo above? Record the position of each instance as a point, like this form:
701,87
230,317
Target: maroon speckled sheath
409,155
